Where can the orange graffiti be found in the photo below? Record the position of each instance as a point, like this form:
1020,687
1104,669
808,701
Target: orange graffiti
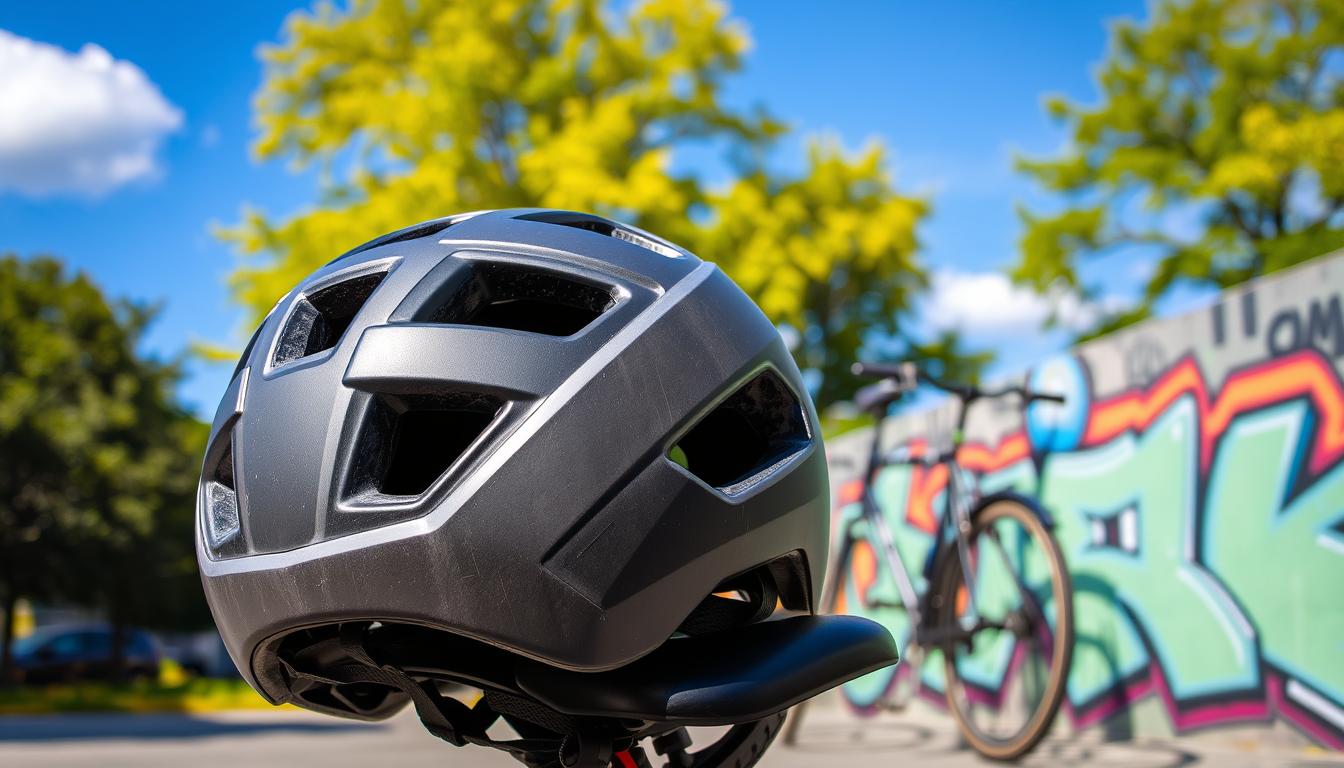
1301,374
863,569
925,484
977,457
849,493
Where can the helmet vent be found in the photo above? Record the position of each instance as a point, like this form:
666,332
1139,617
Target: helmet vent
522,299
408,441
411,233
604,227
746,436
318,320
221,499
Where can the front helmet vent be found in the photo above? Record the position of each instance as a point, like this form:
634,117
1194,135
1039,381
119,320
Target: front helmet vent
408,441
744,438
522,298
318,320
221,500
605,227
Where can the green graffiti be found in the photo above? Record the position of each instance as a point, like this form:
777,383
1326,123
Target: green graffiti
1295,595
1126,512
1019,476
890,491
1224,586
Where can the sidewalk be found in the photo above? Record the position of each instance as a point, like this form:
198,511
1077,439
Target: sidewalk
832,736
829,737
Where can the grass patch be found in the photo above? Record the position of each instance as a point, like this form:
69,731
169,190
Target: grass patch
833,426
191,695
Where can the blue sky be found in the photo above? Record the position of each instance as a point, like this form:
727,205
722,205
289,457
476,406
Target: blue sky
954,90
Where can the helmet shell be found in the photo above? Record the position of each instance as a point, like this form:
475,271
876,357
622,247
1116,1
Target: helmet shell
476,424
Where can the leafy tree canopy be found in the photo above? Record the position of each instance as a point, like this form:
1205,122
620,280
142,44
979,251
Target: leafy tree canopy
1225,113
99,462
430,108
415,110
830,254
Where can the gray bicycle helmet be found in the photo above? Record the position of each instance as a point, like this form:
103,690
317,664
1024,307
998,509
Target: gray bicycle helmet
536,453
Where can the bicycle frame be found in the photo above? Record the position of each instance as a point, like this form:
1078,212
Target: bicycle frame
961,501
959,498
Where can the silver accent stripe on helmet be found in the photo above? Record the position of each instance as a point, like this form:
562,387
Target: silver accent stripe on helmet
548,408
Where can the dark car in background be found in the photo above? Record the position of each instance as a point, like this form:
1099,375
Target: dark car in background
75,653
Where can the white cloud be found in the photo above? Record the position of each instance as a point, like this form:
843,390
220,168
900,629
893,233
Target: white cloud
978,173
988,304
81,123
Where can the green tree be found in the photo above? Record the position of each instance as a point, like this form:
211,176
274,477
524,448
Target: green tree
1227,113
136,563
99,462
436,107
420,109
831,255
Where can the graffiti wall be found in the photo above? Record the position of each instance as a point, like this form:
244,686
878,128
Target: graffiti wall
1197,482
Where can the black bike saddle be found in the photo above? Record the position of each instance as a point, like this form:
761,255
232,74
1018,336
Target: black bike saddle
726,677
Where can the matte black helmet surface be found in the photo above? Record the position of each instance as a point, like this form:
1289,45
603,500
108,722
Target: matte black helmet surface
536,453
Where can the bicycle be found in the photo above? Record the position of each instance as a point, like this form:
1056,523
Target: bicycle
955,620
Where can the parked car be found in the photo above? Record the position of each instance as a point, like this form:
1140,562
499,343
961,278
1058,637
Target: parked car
198,653
74,653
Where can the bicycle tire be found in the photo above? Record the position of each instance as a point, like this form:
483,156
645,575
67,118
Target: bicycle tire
949,578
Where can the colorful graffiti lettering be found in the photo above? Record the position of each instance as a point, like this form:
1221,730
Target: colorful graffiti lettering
1204,529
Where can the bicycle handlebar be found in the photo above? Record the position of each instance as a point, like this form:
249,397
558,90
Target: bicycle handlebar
907,376
904,374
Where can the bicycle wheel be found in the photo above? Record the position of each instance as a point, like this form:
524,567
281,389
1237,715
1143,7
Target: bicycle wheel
1006,654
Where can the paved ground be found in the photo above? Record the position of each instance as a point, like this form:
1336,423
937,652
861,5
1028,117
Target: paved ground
288,739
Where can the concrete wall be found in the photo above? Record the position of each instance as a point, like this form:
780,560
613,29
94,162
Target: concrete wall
1197,480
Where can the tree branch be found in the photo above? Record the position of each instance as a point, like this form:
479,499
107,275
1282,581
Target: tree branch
497,144
1234,212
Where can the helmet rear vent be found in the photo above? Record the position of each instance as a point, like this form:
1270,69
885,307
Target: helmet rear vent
408,442
318,320
522,298
746,436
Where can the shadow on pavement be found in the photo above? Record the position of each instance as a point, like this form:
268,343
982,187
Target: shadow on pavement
1139,755
860,736
157,726
940,745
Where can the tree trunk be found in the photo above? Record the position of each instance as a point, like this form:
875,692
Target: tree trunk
831,369
11,602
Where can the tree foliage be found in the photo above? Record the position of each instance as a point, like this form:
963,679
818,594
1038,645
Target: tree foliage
420,109
1224,116
430,108
98,477
830,254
